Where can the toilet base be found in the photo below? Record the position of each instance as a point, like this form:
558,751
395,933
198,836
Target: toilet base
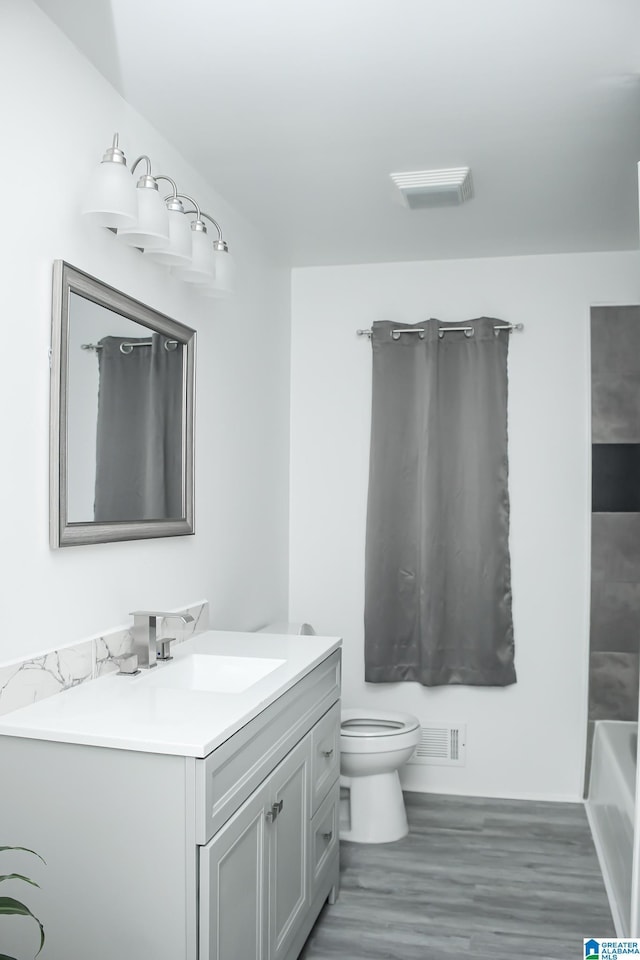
375,809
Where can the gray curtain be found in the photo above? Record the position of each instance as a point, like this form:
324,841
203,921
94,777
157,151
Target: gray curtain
438,581
138,455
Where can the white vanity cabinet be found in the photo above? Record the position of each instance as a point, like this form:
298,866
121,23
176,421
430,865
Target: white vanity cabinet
266,869
254,885
230,856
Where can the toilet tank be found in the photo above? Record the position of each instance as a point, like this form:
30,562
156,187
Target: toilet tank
282,626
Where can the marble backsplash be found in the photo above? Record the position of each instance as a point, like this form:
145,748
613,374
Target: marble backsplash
43,676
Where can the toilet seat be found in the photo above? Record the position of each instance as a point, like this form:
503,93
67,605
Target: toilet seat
364,724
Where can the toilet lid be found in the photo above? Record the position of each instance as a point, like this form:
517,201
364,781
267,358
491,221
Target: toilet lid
358,723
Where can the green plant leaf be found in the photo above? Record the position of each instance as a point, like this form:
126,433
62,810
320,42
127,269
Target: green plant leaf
10,906
3,956
26,850
17,876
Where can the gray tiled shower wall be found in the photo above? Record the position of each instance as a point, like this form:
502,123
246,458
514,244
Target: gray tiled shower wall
615,537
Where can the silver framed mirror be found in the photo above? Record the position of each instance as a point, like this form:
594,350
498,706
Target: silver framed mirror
121,416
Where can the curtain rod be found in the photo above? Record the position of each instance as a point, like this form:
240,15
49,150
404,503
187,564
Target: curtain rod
127,347
510,327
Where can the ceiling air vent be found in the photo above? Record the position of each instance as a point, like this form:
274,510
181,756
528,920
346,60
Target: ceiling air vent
441,743
420,189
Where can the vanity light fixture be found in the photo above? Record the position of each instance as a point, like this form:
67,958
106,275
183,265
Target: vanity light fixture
220,282
111,197
202,266
151,228
161,228
178,251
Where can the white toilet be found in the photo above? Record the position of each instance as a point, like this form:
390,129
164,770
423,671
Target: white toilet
374,744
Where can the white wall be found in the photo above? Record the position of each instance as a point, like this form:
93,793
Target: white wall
526,740
59,114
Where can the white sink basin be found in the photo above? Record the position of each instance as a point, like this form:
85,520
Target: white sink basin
217,674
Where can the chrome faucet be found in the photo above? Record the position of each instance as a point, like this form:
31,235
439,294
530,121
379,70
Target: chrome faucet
148,647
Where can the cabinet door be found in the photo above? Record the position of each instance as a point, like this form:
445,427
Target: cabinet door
233,886
288,848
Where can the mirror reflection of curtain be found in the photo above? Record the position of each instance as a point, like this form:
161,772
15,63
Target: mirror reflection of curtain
139,445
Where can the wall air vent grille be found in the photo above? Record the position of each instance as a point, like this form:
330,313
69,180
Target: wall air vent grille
441,743
434,188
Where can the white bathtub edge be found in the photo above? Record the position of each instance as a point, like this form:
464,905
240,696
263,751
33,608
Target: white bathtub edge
618,919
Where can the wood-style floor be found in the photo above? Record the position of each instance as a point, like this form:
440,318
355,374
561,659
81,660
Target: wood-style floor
475,878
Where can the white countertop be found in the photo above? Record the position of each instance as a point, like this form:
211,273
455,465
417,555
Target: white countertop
130,714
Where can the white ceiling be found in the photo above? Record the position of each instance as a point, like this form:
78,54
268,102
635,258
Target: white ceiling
297,111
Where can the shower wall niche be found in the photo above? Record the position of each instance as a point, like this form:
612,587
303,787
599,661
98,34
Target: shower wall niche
615,519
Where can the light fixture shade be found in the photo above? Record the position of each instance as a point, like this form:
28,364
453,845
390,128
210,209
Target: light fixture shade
201,269
224,276
111,196
151,231
178,250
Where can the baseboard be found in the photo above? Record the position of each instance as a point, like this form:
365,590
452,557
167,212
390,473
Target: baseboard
534,797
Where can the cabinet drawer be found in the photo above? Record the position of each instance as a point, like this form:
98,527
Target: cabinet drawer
324,837
325,755
225,778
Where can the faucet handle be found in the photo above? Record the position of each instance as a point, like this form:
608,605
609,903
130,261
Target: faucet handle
128,666
164,648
